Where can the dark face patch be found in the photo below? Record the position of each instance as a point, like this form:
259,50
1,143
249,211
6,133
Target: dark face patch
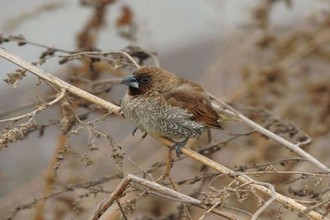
144,82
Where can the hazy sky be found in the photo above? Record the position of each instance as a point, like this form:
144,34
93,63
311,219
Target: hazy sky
163,25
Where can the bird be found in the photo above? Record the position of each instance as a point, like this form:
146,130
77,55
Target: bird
167,107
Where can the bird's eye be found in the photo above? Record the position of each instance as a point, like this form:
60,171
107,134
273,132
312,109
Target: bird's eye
145,79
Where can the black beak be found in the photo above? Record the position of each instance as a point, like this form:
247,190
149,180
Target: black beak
130,81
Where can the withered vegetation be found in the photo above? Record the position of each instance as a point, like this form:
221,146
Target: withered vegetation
276,76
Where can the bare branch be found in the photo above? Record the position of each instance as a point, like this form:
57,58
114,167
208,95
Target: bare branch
266,204
40,108
262,130
209,210
60,83
261,187
154,188
104,53
279,197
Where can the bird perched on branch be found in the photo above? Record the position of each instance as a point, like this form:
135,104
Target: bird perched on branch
167,107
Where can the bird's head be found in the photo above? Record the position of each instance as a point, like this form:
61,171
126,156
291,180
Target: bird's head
148,79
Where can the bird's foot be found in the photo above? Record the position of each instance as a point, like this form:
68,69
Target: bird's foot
178,146
144,135
134,131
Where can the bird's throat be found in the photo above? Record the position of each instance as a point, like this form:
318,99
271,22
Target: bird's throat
134,91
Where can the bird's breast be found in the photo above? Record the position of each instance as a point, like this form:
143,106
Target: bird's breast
158,119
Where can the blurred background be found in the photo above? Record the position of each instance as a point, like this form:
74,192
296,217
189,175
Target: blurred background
269,59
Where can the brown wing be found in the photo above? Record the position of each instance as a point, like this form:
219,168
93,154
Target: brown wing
192,97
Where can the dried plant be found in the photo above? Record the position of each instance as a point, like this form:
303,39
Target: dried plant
270,102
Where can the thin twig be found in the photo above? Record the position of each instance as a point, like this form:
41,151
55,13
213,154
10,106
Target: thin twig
108,82
270,200
154,188
238,210
40,108
279,197
121,210
264,131
23,107
115,195
280,161
113,108
104,53
317,205
54,80
209,210
164,191
154,58
288,172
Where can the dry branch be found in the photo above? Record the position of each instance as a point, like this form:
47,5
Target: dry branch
154,188
103,53
262,130
286,201
40,108
58,82
113,108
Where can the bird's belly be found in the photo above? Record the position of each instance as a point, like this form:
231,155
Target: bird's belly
159,120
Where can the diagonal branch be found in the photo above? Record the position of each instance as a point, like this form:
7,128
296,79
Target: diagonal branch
286,201
192,154
156,189
58,82
264,131
40,108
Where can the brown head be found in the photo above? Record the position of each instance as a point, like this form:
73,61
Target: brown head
147,79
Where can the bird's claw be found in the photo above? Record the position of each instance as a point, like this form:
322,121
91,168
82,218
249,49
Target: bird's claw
134,131
143,136
178,146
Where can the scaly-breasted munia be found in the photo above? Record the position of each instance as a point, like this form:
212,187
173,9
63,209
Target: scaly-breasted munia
167,107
